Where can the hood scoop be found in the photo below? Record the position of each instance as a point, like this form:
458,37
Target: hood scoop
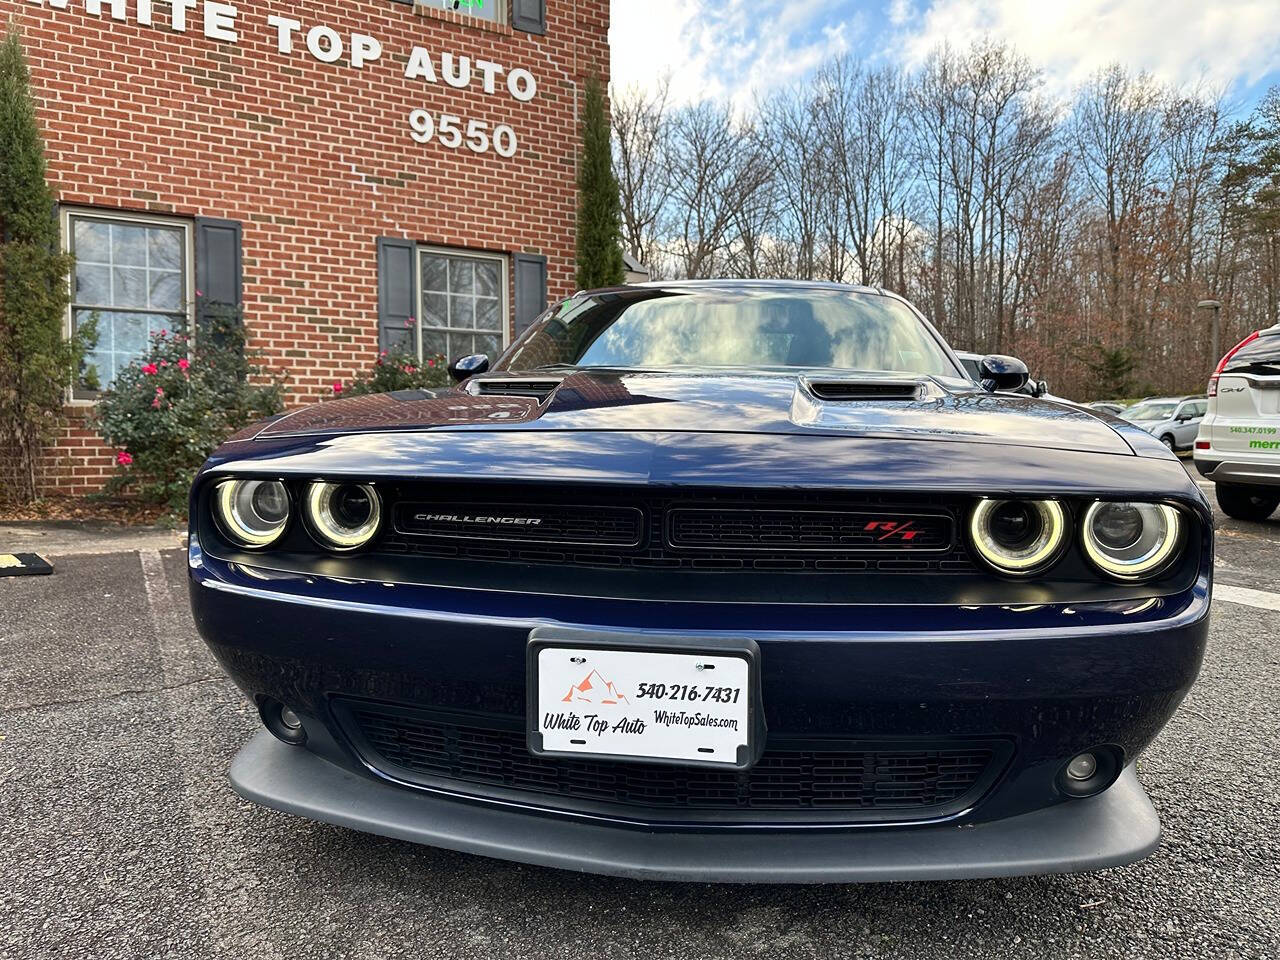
539,388
862,402
869,389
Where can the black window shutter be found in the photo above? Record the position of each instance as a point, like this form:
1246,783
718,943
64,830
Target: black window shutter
529,15
219,270
531,288
397,294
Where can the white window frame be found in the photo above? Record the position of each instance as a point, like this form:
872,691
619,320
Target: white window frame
66,215
447,6
504,267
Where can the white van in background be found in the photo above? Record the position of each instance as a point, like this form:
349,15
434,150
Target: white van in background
1238,445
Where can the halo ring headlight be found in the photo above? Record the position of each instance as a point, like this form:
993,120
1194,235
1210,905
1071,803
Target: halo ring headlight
1130,540
343,516
1018,537
252,513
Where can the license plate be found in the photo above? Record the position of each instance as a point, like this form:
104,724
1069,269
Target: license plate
652,704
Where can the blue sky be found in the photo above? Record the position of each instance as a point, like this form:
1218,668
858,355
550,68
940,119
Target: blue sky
736,49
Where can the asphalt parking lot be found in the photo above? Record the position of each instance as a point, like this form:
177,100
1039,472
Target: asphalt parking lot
121,837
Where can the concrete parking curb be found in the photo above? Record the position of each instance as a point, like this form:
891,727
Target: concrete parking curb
69,538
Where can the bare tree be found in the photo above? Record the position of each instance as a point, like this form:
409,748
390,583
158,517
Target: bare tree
1079,235
790,140
1118,131
717,167
640,153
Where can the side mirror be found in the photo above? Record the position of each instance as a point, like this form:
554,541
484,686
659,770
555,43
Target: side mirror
468,366
1002,373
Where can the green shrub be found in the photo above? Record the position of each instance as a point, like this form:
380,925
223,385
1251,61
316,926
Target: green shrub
396,371
166,412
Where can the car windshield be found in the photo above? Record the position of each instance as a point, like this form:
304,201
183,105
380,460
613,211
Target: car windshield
659,328
1151,411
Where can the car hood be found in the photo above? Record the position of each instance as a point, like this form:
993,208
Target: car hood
812,402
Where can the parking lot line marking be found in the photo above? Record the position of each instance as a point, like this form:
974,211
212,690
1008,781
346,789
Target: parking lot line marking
1250,598
153,581
170,641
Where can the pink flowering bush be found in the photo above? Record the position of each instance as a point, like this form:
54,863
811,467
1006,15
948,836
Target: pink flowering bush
165,413
396,371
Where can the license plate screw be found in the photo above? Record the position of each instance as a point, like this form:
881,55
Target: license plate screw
584,660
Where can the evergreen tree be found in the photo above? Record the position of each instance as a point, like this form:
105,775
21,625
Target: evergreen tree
1113,369
36,361
599,210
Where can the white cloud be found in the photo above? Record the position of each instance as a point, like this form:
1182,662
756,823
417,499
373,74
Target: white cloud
737,49
1225,42
648,38
900,11
732,50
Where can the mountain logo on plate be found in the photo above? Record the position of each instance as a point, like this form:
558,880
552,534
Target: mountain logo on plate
593,685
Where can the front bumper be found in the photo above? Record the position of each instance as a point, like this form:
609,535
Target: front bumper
1116,827
1050,680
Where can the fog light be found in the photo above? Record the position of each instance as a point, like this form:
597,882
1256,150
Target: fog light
1082,767
282,722
1092,771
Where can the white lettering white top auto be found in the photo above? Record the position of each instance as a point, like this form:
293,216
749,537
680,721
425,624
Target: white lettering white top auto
291,37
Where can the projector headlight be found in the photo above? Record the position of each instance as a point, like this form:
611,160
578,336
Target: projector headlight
252,513
1018,537
1131,541
343,516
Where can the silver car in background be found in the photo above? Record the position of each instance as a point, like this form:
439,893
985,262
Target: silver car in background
1174,421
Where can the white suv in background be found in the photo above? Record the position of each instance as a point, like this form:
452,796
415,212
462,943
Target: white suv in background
1238,446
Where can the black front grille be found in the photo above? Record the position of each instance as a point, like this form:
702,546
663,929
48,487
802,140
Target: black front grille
419,747
546,523
714,530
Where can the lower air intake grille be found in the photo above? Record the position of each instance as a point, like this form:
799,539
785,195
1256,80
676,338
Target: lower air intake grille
420,747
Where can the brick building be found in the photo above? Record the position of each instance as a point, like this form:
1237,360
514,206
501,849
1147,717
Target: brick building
354,174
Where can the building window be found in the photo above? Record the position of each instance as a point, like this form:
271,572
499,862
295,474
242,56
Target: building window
132,273
464,304
491,10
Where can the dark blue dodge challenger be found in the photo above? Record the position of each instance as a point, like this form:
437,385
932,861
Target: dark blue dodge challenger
726,581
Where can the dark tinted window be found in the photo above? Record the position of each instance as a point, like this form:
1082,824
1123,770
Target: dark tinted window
781,327
1257,356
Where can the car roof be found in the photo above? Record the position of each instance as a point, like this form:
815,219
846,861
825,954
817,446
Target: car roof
757,283
729,283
